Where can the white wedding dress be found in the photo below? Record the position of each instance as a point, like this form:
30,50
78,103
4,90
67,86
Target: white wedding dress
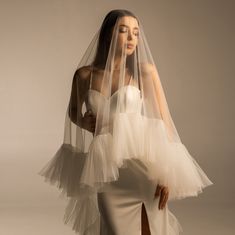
111,174
121,204
108,185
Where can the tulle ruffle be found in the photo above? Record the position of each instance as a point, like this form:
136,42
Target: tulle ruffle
64,171
138,137
81,175
83,215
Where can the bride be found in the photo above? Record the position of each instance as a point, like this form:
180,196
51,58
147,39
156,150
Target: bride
121,159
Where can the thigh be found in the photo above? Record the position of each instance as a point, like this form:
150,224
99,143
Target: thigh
121,205
120,213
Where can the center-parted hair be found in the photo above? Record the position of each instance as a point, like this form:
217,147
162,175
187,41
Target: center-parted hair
105,37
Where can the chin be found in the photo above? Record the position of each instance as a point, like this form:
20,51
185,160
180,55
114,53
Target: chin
130,51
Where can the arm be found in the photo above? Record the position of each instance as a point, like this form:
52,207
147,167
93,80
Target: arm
80,85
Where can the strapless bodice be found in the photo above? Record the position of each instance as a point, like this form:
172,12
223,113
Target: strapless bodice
127,98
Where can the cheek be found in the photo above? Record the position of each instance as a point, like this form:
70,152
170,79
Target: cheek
136,40
122,39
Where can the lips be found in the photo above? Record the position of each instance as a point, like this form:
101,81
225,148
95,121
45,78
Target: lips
130,46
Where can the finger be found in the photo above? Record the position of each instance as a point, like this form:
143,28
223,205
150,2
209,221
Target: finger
156,193
158,190
160,200
165,198
159,193
88,113
163,202
160,203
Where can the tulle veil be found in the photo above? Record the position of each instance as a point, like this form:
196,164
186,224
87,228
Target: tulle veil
119,84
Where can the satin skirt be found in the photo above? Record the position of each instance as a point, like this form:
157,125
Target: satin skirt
120,206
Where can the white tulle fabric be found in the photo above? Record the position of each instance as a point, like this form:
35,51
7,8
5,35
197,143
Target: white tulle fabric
136,136
133,123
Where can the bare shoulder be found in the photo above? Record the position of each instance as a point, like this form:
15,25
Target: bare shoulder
83,73
147,68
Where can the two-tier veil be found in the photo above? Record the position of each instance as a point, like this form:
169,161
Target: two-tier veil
132,122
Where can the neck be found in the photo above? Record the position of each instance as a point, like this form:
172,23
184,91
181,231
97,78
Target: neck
117,62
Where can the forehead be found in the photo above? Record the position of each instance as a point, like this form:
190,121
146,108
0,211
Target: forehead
128,21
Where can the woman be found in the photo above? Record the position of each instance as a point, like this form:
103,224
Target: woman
122,158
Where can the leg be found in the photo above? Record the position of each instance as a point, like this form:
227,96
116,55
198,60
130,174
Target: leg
144,222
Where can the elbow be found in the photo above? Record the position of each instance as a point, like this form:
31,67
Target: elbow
75,117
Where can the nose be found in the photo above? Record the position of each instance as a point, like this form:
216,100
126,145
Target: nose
130,36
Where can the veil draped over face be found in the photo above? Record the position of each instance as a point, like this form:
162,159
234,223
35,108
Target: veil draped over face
118,82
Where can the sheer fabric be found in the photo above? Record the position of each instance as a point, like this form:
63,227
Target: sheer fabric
124,92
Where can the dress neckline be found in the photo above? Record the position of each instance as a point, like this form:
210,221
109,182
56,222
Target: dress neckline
126,86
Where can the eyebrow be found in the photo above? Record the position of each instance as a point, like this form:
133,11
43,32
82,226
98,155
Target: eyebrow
128,26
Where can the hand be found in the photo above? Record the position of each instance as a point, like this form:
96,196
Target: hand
89,121
163,192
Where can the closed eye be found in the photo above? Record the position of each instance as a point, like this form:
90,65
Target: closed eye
125,28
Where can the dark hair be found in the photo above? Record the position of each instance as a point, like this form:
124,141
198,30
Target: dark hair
106,35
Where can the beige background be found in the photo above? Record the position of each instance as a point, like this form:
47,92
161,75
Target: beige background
41,43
